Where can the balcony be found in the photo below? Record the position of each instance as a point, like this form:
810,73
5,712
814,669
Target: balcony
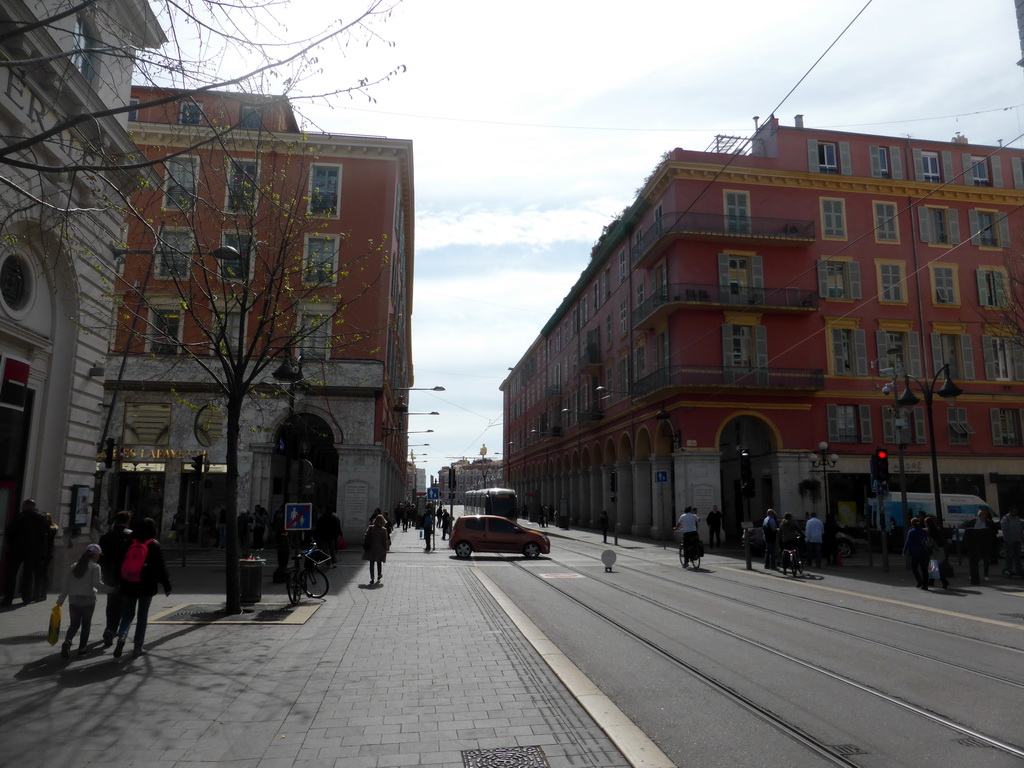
719,227
675,296
591,358
552,391
695,377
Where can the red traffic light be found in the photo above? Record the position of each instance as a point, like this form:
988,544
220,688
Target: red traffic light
881,453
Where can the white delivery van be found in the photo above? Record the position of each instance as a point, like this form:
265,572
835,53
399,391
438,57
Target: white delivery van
957,509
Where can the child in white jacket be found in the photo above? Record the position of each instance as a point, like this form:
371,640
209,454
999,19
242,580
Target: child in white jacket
80,586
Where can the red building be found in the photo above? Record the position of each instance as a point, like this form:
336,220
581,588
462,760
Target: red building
759,297
265,241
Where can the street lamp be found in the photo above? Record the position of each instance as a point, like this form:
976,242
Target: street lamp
948,391
824,461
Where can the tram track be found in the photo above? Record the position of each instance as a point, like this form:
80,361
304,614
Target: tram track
762,712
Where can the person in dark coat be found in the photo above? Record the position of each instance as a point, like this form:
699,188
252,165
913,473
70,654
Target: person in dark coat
114,543
714,521
916,550
604,525
328,529
138,595
376,543
28,535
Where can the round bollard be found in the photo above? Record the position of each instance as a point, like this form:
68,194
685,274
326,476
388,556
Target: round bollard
608,558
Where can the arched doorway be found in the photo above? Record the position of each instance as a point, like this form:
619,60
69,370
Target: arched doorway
751,432
305,462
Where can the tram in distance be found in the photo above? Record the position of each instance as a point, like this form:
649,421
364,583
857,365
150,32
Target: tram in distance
492,501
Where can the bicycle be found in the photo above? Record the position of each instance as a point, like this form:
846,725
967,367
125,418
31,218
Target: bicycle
305,576
690,552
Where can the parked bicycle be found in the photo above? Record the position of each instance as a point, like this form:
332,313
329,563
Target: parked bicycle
305,576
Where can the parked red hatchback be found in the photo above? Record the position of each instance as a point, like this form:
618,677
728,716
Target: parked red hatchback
491,533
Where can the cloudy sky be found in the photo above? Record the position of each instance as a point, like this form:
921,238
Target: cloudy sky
535,122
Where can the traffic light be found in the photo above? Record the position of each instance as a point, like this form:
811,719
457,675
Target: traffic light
880,461
746,473
197,463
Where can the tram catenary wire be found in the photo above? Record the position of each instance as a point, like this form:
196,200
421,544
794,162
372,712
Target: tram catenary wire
770,716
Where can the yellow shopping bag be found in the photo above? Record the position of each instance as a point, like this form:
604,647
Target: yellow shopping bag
53,633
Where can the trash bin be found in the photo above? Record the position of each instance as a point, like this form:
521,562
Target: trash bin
250,580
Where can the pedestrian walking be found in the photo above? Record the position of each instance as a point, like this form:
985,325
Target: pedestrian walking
83,580
814,534
982,541
428,530
604,525
770,526
376,543
936,545
714,521
916,550
138,590
26,551
446,523
1013,536
113,544
328,529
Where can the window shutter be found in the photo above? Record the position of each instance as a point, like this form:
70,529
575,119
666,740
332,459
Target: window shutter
888,424
845,164
997,429
895,164
876,165
854,272
757,271
947,166
1017,169
727,345
860,351
918,169
953,220
983,297
1004,230
837,348
997,171
919,425
967,353
914,344
1017,354
822,278
999,280
761,344
865,423
936,344
972,222
968,170
723,271
925,221
833,423
812,156
990,362
880,346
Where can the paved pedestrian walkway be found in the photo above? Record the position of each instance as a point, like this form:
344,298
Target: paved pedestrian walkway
424,669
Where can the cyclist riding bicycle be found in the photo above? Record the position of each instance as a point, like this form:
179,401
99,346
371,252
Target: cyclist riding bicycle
688,525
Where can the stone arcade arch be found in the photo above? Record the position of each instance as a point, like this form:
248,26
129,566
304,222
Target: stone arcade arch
771,468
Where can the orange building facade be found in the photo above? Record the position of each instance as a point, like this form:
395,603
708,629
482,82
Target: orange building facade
269,241
759,297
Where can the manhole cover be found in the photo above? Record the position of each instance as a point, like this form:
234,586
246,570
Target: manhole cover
505,757
213,613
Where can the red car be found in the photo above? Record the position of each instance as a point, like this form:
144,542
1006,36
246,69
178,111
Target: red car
491,533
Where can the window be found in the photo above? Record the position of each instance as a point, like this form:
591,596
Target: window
324,190
944,283
165,327
828,158
956,351
622,266
229,332
906,349
190,113
84,57
846,424
605,284
180,188
886,230
1005,426
640,360
903,425
236,269
623,317
147,424
991,287
315,333
833,218
133,113
939,225
597,295
998,358
930,167
880,162
584,311
250,117
738,278
640,294
838,279
173,254
623,381
737,212
242,186
890,278
741,348
989,229
979,175
849,352
319,266
959,430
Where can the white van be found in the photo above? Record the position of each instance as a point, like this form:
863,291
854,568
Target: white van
957,508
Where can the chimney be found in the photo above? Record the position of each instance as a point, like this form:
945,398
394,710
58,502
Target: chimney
959,139
799,120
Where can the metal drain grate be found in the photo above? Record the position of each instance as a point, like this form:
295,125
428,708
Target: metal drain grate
213,613
845,750
971,741
505,757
